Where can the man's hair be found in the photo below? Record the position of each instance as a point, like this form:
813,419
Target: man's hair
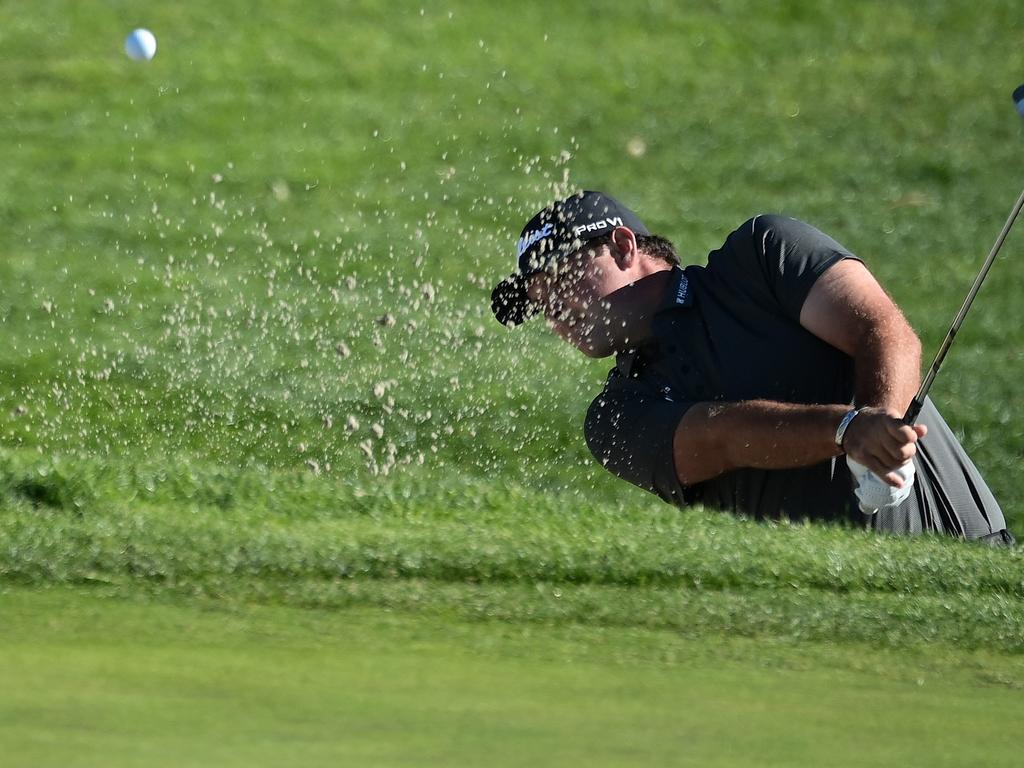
651,246
658,247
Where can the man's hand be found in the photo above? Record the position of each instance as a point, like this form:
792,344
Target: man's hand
879,440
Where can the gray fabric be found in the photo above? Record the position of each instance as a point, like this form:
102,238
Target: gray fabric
730,331
949,495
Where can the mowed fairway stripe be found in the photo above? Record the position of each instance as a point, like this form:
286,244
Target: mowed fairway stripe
97,680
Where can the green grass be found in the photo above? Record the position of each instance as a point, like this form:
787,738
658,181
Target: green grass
469,548
93,679
186,245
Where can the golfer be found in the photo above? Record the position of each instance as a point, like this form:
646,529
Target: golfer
770,383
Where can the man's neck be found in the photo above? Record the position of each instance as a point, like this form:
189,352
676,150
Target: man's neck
632,308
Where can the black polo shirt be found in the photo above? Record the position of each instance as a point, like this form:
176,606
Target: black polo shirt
731,331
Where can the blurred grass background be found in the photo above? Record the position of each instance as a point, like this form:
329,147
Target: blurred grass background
187,242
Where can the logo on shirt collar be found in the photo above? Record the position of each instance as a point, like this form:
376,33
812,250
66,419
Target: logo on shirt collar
683,291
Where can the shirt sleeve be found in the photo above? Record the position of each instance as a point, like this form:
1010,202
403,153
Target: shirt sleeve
630,432
775,260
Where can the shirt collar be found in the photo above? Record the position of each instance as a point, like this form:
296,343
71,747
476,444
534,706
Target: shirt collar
679,292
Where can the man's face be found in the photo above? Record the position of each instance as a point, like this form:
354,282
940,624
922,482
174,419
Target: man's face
572,295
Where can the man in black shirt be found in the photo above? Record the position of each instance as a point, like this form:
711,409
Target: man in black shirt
745,385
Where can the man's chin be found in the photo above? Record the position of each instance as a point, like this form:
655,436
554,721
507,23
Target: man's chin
584,342
595,348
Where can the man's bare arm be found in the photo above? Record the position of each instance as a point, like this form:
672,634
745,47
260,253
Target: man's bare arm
713,438
848,309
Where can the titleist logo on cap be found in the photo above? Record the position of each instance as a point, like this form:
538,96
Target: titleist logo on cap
532,237
548,229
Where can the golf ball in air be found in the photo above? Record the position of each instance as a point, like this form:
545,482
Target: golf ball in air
140,45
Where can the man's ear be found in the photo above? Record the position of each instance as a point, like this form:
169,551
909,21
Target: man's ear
623,247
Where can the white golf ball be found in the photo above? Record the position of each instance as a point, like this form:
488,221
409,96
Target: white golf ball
140,45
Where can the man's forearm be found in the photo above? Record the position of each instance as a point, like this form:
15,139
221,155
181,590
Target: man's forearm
716,437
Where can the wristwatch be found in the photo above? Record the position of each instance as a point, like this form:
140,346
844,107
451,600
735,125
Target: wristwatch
841,429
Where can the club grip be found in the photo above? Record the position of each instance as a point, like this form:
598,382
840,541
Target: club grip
913,411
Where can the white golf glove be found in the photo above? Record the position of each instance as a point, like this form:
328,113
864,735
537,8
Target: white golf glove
873,492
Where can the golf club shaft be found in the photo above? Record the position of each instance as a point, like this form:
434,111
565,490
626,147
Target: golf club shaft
918,402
